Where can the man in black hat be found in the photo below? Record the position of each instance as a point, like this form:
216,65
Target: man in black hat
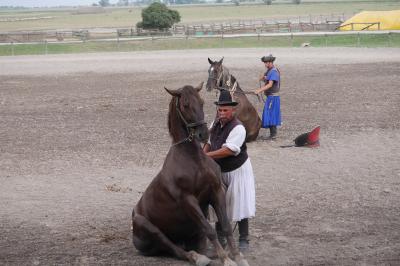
227,147
271,117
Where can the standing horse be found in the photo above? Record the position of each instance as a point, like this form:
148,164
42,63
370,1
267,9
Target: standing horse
219,78
170,217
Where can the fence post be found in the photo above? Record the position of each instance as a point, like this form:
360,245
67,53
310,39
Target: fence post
291,39
12,48
326,40
358,39
45,46
389,40
117,40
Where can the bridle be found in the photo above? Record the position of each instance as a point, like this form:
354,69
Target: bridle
190,127
218,80
232,88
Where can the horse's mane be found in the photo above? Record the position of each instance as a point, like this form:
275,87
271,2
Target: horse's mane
175,125
232,78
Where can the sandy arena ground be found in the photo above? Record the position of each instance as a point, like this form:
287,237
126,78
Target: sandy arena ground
81,136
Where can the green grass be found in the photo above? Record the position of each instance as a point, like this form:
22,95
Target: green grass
129,16
362,40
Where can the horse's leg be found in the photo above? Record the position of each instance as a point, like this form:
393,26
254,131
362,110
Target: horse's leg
192,208
197,243
148,239
219,206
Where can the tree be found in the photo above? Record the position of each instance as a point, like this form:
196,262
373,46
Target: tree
158,16
104,3
297,2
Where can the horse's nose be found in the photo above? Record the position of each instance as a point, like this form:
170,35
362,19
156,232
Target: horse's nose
203,134
208,85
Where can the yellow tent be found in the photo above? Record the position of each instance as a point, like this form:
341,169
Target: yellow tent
373,20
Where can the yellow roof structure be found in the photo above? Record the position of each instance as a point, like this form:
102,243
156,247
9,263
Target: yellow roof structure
373,20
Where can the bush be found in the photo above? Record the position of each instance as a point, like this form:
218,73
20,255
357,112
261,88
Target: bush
158,16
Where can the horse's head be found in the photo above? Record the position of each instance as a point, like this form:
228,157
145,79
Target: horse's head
186,108
215,74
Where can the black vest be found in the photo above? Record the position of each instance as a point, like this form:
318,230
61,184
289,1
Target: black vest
276,85
218,138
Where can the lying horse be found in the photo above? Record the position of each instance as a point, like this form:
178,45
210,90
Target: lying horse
171,216
219,78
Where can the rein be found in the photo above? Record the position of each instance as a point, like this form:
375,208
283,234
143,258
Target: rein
190,127
234,86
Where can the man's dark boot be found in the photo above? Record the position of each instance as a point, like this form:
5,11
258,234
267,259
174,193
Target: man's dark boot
243,234
273,132
221,238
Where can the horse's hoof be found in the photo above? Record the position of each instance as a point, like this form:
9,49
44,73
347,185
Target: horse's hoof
242,262
202,260
229,262
199,260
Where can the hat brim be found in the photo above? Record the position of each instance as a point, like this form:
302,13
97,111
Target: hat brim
267,59
226,103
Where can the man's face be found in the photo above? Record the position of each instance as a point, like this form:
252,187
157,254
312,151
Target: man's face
268,64
225,113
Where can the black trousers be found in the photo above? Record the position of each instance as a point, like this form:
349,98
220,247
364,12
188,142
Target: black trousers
243,229
273,130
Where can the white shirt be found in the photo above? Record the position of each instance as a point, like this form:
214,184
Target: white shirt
235,138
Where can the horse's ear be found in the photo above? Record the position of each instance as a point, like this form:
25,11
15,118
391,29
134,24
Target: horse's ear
176,93
220,61
210,61
198,88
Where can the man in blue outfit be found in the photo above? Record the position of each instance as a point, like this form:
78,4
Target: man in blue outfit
271,117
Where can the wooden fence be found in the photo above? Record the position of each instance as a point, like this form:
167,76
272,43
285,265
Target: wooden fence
298,24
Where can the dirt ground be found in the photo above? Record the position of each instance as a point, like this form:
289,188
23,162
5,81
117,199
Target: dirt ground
81,136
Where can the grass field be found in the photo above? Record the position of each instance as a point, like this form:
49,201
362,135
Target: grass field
128,17
364,40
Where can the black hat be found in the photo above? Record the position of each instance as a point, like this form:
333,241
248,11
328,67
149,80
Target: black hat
268,58
225,99
310,139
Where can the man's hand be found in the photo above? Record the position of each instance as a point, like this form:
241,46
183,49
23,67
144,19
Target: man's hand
257,91
220,153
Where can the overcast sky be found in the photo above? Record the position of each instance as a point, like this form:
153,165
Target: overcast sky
49,3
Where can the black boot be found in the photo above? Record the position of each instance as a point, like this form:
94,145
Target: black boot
273,132
243,234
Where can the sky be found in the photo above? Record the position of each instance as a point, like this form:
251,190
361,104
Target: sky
49,3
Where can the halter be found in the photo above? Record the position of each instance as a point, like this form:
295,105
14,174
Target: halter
190,127
219,76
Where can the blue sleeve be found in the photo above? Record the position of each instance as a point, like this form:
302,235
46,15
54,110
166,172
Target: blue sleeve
273,75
